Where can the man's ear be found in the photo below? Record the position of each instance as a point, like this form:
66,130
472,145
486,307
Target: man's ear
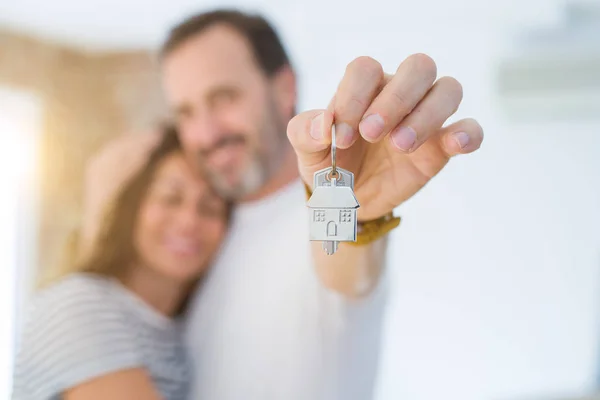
284,85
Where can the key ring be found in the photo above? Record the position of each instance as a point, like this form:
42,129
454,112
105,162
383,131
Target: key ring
333,149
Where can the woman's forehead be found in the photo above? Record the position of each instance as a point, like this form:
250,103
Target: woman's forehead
175,167
175,170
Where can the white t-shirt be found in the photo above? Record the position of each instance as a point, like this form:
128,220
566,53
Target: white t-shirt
262,327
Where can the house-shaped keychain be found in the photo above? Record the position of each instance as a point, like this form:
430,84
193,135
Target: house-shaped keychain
332,213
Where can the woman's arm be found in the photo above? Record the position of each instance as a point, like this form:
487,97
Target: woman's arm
78,344
122,385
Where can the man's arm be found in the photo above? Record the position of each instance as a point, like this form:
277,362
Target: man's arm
390,133
352,271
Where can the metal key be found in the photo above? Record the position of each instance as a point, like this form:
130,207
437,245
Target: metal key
332,205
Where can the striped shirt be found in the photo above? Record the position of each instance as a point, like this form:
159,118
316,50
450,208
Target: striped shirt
86,326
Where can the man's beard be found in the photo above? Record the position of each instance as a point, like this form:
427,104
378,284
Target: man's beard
264,157
251,177
261,165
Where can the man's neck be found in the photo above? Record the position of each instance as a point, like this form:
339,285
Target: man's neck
287,173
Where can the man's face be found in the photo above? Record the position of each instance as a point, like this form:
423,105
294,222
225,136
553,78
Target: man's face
231,117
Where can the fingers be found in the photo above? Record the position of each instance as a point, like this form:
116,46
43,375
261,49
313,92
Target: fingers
359,86
409,107
310,135
408,86
461,137
428,116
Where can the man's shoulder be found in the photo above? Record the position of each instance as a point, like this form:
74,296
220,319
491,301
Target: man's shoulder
282,206
291,193
294,188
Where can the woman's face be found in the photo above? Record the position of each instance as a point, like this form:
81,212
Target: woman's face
181,221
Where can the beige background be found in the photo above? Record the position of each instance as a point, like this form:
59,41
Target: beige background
88,98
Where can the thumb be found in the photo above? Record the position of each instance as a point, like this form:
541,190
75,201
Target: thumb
310,135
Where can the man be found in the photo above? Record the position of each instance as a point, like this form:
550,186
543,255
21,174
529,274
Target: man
276,318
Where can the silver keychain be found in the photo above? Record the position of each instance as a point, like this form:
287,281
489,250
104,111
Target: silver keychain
332,205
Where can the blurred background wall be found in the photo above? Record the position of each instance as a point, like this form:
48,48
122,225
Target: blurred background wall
496,267
87,99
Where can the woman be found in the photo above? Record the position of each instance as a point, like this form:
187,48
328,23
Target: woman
109,329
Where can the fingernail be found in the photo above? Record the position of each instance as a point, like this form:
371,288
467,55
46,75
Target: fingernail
372,126
404,138
316,127
462,139
343,134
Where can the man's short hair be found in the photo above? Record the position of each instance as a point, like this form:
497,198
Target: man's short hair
261,36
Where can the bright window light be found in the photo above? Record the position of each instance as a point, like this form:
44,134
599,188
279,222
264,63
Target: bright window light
20,121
